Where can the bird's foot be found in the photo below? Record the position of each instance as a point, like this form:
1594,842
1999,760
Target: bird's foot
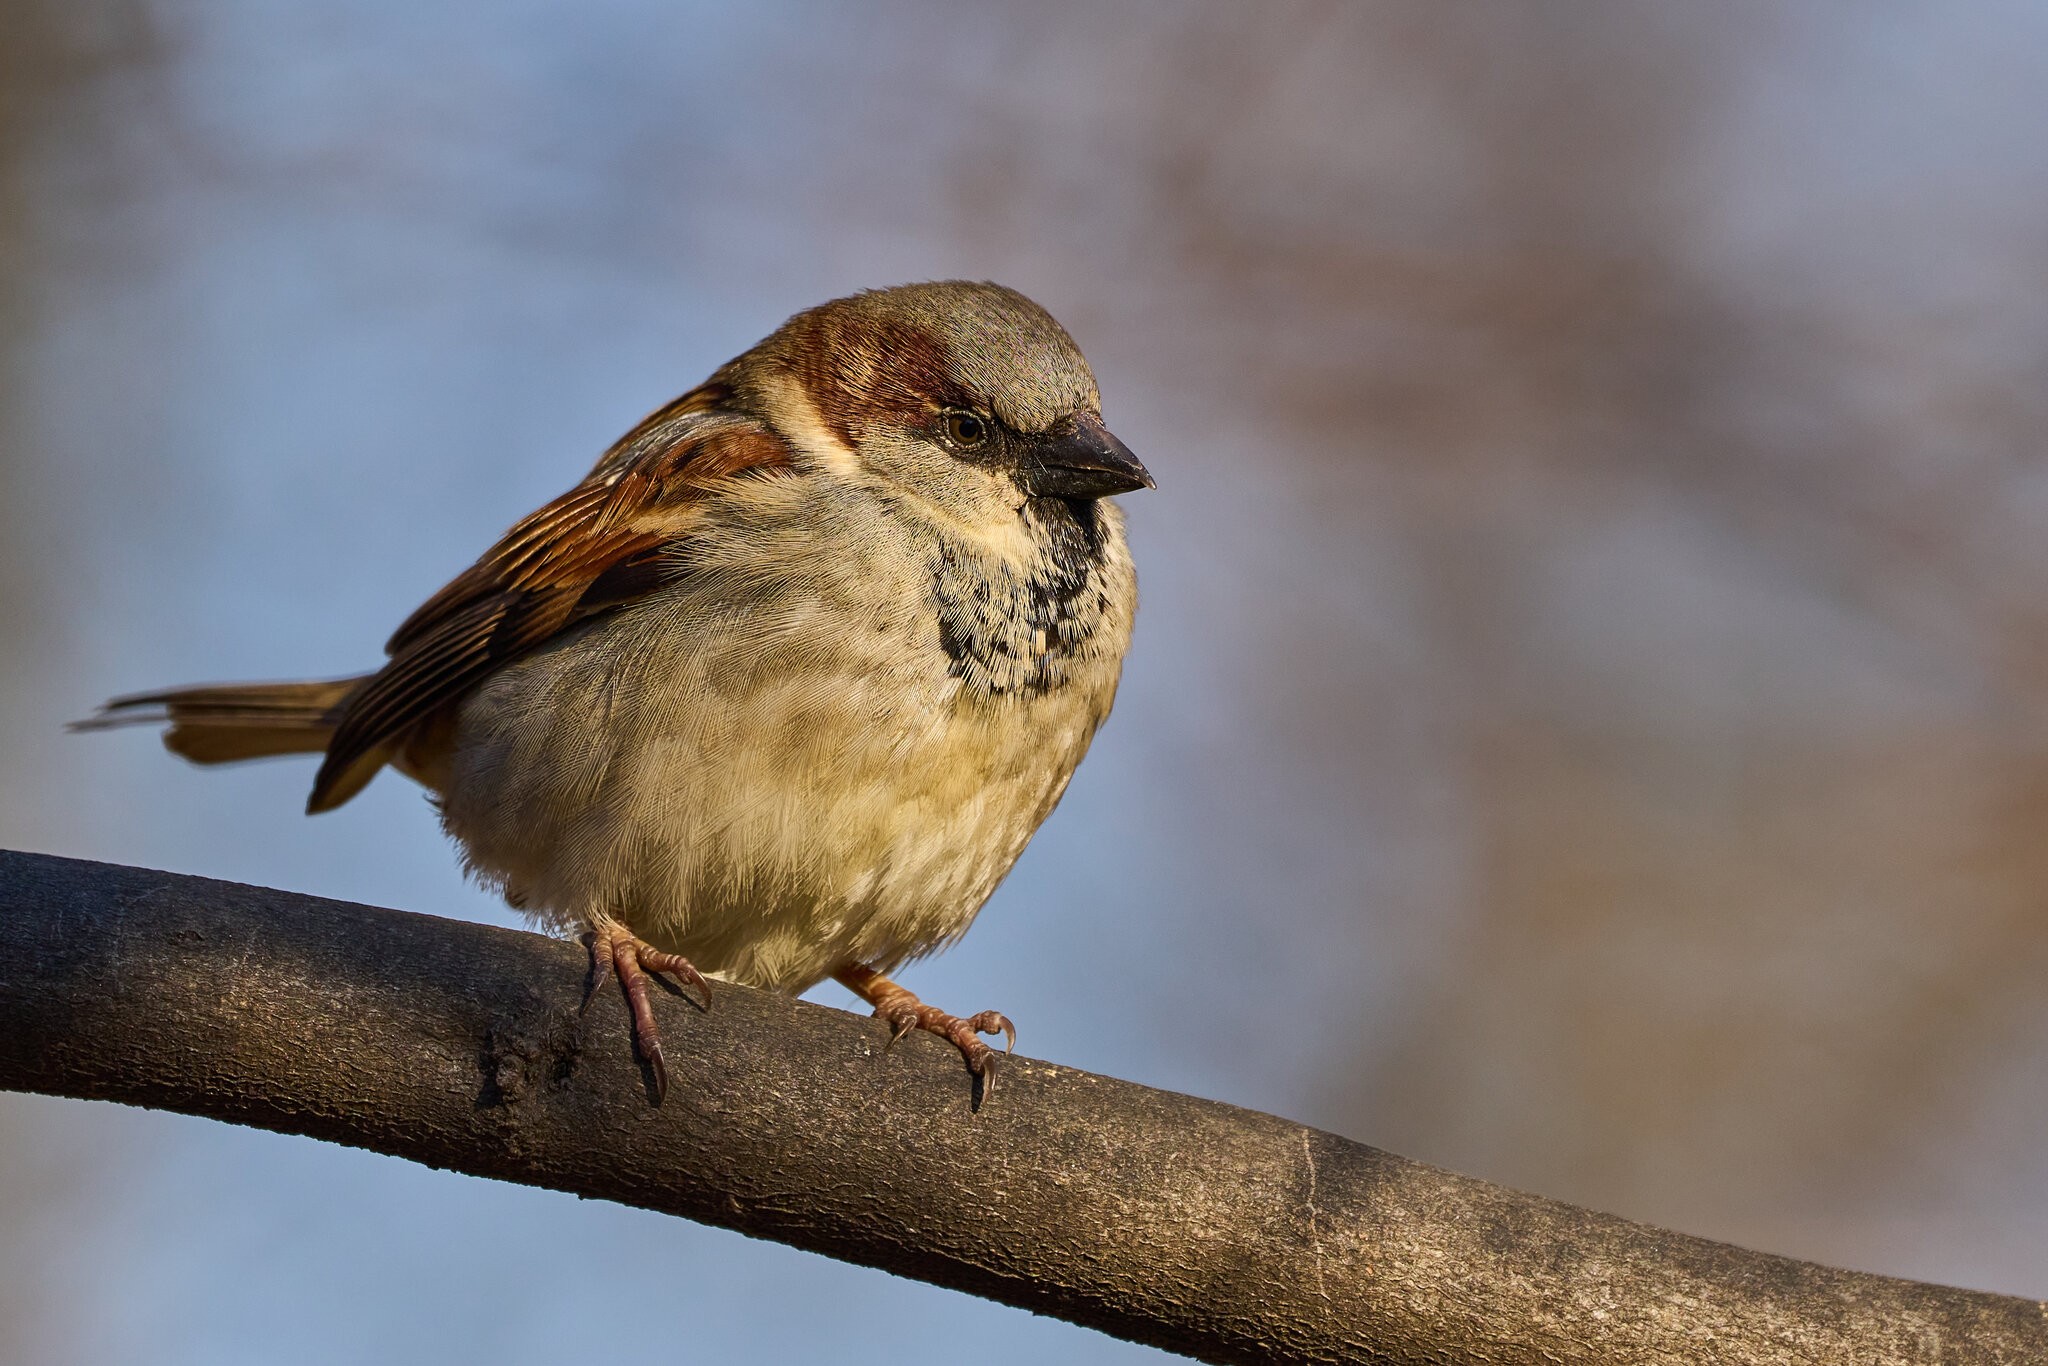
904,1012
617,951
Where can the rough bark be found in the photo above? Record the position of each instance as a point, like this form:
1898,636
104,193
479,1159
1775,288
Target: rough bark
1222,1233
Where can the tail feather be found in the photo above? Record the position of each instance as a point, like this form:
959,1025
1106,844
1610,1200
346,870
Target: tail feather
224,723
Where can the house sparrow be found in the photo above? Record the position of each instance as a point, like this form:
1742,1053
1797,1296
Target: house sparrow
782,688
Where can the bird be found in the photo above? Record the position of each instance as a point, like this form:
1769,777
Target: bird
781,689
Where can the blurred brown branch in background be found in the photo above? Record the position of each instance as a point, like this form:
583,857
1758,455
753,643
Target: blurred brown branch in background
1219,1232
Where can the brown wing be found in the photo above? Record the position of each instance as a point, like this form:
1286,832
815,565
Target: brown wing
601,544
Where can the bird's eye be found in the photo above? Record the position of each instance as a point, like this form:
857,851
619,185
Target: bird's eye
964,430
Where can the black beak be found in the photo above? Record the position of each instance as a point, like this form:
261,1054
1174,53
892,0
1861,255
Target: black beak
1078,458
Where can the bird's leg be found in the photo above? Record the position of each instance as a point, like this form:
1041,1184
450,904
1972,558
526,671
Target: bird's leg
904,1012
617,951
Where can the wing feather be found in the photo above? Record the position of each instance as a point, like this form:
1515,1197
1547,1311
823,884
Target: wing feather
602,544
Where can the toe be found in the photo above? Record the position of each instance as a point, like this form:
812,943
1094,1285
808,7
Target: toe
995,1022
616,952
657,960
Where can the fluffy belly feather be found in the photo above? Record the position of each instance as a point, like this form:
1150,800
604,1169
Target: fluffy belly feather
769,812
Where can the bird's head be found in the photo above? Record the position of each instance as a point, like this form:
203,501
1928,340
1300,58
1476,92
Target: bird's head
969,397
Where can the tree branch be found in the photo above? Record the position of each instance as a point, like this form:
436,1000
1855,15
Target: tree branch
1226,1234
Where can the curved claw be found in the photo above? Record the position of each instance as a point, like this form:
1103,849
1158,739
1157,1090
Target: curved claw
658,1065
601,957
901,1020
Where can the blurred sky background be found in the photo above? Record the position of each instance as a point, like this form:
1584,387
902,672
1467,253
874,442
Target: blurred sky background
1588,725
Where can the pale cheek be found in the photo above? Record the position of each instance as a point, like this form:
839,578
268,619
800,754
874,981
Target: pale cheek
969,502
